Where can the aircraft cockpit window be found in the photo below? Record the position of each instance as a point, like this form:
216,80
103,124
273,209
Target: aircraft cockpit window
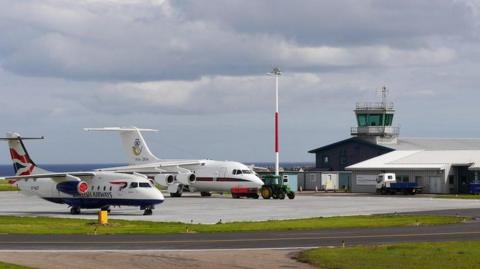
234,171
145,185
134,185
246,171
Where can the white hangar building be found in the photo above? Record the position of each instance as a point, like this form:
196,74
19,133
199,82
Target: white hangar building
439,165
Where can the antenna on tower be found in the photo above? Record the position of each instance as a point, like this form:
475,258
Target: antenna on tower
384,91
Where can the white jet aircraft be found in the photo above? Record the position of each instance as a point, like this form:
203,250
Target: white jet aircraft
80,189
201,175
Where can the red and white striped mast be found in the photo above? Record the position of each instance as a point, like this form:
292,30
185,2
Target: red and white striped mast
276,72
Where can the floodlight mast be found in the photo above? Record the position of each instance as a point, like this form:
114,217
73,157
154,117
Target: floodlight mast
276,72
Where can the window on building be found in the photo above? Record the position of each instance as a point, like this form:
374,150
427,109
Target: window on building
325,159
375,120
388,119
451,179
362,120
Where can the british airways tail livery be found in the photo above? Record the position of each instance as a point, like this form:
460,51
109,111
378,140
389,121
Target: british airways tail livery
80,189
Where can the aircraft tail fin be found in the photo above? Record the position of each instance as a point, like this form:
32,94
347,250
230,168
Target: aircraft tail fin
23,165
133,143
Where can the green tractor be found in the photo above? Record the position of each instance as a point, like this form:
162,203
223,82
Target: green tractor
274,188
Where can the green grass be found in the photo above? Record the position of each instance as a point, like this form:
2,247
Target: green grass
445,255
4,265
5,186
44,225
457,196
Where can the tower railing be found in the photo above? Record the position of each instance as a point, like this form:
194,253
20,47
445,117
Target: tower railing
375,131
374,105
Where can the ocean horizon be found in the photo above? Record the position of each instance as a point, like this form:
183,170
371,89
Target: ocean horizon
7,169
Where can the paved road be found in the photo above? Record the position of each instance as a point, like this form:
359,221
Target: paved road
286,239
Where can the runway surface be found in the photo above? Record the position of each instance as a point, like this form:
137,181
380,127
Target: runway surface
257,240
194,209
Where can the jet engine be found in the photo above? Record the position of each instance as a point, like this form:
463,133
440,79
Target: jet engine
73,187
165,179
186,178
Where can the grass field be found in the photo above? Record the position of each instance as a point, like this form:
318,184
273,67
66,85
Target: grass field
446,255
12,266
43,225
4,186
457,196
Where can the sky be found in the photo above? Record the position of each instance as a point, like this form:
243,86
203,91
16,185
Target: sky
196,71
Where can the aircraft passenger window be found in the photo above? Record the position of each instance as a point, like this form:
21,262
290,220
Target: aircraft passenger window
134,185
93,188
104,188
110,188
98,188
145,185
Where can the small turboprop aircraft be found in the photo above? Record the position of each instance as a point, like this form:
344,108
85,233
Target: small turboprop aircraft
201,175
80,189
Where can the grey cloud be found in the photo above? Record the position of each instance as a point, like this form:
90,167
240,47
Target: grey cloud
141,41
345,22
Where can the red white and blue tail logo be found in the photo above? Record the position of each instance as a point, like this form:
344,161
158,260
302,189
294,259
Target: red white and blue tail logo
22,164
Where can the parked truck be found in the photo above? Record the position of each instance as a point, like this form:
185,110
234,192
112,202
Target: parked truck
387,184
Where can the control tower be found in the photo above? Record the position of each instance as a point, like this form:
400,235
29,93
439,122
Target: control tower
375,121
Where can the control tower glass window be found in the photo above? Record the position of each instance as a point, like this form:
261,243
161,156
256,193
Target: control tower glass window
375,120
388,119
362,120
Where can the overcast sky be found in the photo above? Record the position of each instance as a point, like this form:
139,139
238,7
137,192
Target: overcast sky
195,70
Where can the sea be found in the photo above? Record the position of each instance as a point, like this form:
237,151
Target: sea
7,170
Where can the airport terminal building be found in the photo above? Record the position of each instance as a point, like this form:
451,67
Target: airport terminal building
439,165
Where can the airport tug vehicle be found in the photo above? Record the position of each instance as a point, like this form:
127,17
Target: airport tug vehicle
274,188
387,184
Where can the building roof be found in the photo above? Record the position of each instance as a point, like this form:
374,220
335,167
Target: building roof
414,144
435,144
421,159
351,139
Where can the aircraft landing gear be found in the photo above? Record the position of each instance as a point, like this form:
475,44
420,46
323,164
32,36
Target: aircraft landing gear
178,193
75,210
205,194
148,210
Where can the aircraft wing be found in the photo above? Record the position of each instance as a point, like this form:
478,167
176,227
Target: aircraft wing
157,166
74,176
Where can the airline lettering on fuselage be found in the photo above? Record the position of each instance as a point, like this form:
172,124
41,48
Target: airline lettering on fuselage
95,194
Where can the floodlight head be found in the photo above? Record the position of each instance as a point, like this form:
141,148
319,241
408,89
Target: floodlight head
276,71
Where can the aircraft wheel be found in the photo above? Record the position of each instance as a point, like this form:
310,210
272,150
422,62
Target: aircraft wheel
291,195
255,196
281,195
148,212
205,194
75,210
275,195
106,208
266,192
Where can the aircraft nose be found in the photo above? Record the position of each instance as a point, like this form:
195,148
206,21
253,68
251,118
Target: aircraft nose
258,181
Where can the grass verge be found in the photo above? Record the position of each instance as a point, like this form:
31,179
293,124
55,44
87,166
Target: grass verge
458,196
44,225
4,265
445,255
5,186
